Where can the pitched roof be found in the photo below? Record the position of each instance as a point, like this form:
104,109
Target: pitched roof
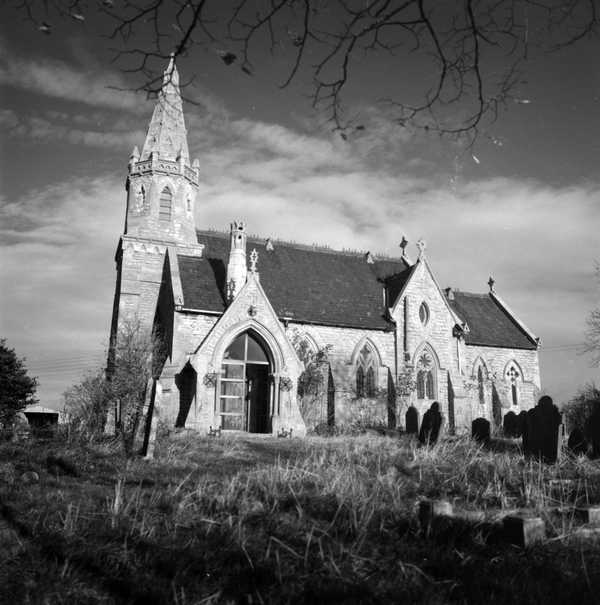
489,323
303,283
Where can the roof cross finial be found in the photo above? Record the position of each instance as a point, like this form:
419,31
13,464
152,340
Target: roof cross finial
421,245
253,260
403,245
491,282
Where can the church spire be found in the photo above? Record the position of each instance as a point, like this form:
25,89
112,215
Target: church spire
167,135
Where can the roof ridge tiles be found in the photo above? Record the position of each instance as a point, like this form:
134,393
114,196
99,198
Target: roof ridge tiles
324,248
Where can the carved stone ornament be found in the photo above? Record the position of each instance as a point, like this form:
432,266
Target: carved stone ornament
285,383
210,379
252,311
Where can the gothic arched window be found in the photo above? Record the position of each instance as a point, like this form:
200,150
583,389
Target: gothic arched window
512,376
366,373
424,313
164,210
360,382
426,388
480,388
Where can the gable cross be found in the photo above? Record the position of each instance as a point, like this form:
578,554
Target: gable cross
253,260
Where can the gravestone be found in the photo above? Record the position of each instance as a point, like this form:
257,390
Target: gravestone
521,423
412,420
577,443
509,424
430,427
592,427
541,437
480,430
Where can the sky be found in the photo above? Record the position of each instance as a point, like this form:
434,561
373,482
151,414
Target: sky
523,204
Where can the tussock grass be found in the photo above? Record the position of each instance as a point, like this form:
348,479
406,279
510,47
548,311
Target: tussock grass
241,519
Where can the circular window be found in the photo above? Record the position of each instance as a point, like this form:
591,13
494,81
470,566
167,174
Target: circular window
424,313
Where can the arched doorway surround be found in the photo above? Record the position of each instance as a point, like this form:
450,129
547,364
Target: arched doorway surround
245,395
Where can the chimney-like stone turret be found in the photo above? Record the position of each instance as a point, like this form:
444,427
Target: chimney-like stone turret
236,267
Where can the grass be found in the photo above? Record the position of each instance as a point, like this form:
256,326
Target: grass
262,520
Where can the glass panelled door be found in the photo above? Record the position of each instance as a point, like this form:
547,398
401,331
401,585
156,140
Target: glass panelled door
243,400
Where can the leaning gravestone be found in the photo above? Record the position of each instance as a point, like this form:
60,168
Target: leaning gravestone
430,427
593,431
541,437
509,424
412,420
577,443
480,430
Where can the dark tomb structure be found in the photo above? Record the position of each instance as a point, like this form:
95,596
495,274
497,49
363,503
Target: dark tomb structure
430,427
577,442
412,420
481,430
540,439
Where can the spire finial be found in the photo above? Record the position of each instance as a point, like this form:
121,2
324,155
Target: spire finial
166,134
491,282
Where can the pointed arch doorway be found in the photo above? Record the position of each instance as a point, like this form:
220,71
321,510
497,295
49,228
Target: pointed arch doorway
245,388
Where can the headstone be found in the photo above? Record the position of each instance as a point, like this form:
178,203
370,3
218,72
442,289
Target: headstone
509,424
412,420
521,423
541,437
480,430
577,443
430,427
592,427
523,531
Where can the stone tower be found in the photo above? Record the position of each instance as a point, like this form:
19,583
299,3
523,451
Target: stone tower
161,194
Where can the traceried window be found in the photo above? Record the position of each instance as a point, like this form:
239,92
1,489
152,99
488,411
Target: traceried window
512,376
366,366
166,200
424,313
426,376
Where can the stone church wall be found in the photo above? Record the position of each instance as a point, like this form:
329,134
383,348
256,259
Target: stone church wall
345,344
436,335
496,362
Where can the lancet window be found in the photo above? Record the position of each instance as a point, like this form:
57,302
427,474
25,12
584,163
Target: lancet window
426,375
366,365
166,200
512,376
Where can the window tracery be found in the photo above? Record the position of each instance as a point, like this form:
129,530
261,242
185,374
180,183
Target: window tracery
366,365
512,376
426,386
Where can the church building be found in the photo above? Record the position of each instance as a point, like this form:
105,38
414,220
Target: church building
266,336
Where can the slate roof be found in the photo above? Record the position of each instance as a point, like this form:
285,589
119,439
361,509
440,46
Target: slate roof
304,283
489,323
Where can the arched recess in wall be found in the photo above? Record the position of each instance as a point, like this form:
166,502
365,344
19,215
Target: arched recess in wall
513,377
427,369
480,376
305,346
366,361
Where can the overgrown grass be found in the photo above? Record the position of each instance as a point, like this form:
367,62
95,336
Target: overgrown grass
325,520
